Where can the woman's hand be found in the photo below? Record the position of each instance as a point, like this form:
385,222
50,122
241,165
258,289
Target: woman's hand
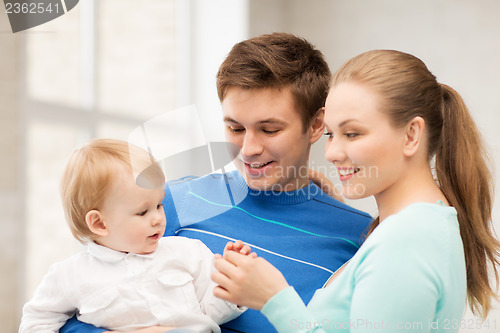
246,280
325,184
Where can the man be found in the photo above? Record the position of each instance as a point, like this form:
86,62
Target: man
272,89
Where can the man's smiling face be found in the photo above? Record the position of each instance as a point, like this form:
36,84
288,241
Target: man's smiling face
274,148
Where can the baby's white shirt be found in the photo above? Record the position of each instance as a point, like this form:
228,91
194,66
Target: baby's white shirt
127,291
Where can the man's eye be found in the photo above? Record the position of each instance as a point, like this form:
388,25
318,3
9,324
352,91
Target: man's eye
236,130
270,132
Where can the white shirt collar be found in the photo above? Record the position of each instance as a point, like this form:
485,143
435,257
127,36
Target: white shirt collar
109,255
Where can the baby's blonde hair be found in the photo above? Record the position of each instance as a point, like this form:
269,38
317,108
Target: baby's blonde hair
90,174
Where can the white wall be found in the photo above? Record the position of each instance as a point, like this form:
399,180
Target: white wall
459,40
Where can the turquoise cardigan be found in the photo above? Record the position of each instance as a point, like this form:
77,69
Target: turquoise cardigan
409,275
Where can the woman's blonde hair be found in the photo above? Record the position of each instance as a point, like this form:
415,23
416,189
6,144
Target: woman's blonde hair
408,89
91,172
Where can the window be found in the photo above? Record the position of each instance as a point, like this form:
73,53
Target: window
101,70
98,71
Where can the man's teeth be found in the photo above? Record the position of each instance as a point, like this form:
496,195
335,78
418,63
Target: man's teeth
258,166
346,172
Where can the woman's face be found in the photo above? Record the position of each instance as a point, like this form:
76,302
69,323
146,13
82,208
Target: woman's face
365,147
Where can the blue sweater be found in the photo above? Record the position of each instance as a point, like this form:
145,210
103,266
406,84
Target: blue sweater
306,234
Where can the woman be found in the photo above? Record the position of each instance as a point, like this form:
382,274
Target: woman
428,251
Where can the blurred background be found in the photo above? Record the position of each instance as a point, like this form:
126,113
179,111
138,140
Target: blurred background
109,65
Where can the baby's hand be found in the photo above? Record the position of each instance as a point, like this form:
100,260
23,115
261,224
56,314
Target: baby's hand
239,247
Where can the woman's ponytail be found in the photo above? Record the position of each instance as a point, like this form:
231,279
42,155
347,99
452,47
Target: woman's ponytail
466,181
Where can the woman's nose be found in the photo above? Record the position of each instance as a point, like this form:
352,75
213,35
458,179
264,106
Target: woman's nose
334,151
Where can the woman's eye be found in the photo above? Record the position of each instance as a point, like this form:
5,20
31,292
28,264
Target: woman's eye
142,213
351,135
159,206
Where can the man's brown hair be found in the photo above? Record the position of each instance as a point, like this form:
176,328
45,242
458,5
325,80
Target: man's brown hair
277,61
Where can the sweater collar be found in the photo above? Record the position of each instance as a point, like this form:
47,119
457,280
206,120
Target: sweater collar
284,198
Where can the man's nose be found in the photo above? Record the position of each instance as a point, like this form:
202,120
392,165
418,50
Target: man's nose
252,145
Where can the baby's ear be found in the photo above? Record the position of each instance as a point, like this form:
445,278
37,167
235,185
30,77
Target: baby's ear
95,222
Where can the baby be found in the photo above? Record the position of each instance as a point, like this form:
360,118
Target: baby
129,276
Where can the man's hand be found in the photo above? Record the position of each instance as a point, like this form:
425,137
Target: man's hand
325,184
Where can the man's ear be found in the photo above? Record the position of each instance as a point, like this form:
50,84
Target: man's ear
414,135
95,222
317,125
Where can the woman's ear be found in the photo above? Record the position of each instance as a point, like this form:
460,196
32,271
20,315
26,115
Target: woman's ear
95,222
317,125
414,136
